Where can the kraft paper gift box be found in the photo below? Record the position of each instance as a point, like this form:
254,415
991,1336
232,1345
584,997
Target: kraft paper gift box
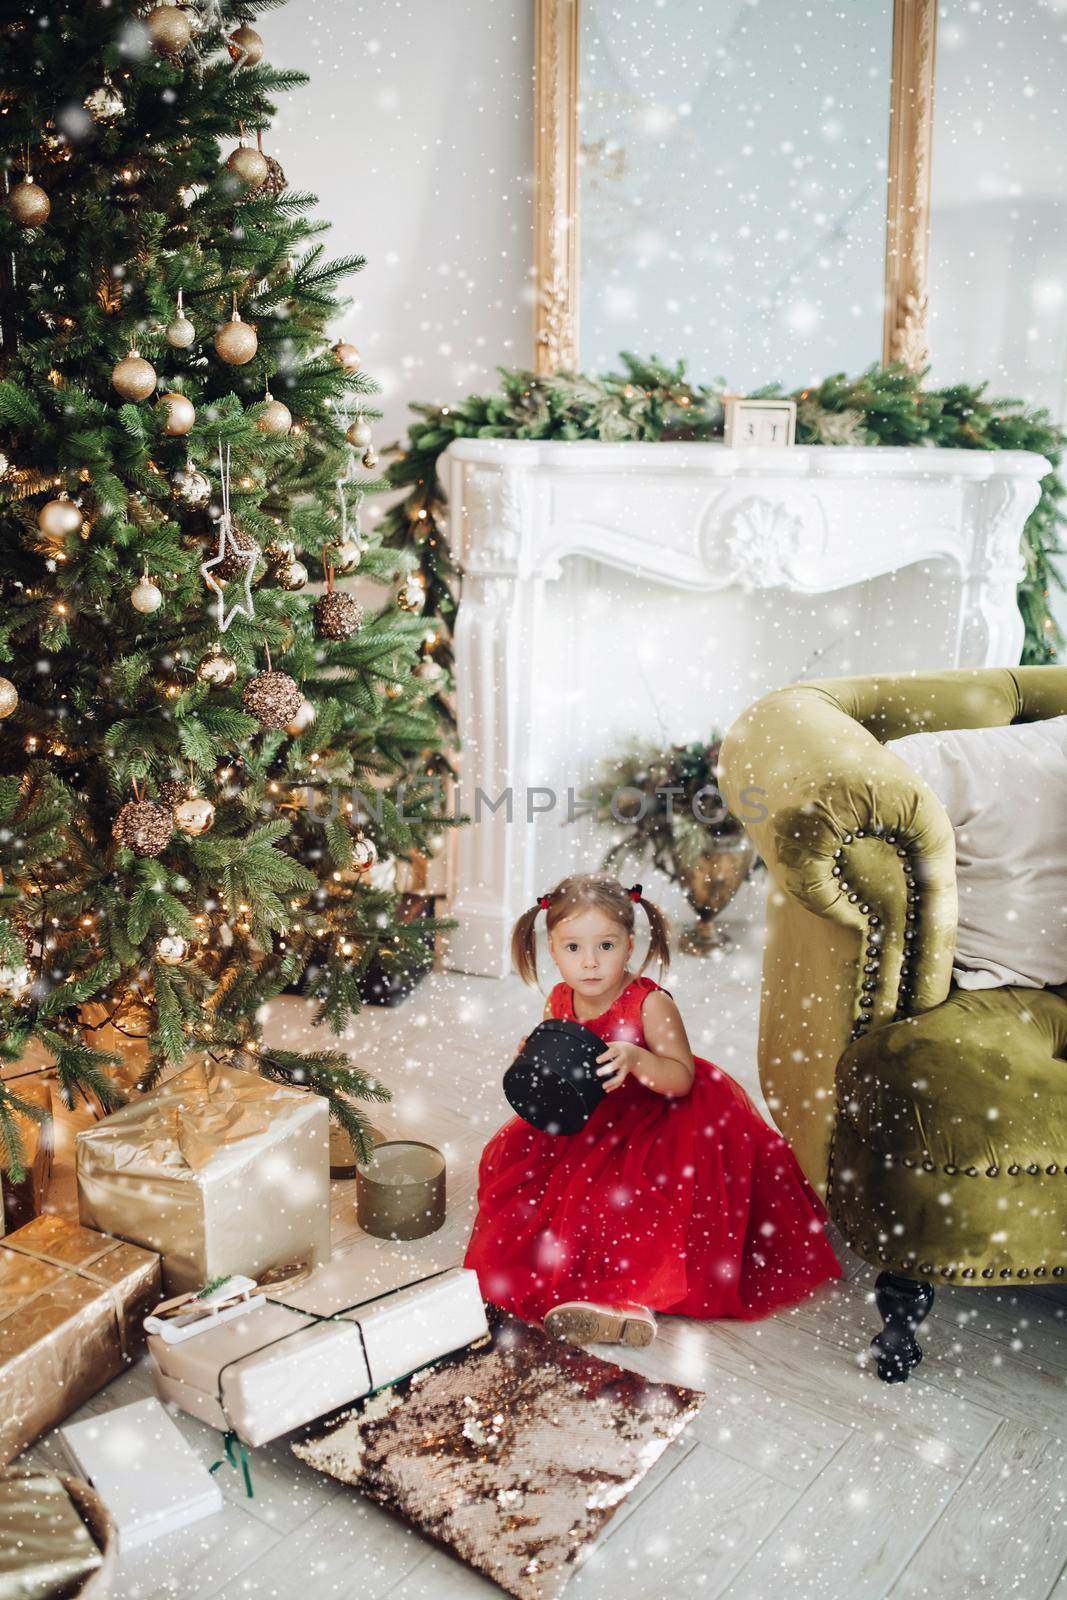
219,1170
72,1305
48,1552
24,1200
285,1364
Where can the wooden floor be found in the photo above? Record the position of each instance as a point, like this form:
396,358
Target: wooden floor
803,1476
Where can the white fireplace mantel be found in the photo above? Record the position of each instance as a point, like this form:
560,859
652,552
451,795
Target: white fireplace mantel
614,589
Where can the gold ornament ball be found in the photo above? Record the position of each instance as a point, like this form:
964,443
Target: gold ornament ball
180,413
9,697
194,816
146,597
359,433
15,982
235,562
144,827
236,342
172,791
169,29
28,203
133,377
273,698
337,615
364,852
181,333
192,487
370,458
347,356
248,165
275,417
172,949
411,595
347,555
292,575
58,518
299,724
246,45
216,669
280,550
105,104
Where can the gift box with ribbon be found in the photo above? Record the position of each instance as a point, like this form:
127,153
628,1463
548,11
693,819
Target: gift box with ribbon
316,1345
219,1170
72,1306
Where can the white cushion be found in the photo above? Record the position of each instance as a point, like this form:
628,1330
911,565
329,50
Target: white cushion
1005,791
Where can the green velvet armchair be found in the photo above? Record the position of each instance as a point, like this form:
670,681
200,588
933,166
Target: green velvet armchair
932,1118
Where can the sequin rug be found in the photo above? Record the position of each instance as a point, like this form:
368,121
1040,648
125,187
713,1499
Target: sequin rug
512,1456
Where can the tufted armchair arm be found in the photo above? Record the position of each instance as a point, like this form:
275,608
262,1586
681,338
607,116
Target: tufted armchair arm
862,909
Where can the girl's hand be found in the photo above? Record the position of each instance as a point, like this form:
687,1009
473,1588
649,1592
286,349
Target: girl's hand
621,1058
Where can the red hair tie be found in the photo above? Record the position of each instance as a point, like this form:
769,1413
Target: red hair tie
543,900
635,892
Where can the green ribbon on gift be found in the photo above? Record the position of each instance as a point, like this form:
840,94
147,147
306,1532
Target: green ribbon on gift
236,1455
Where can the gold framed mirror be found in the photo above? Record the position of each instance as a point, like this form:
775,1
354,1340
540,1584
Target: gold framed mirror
858,224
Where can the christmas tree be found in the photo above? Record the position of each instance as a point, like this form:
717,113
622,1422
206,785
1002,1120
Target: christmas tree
204,765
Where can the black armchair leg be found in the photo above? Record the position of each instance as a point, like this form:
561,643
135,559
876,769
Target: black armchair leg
903,1303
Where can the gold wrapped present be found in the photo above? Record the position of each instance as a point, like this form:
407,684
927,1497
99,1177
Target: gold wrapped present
72,1305
24,1200
58,1539
219,1170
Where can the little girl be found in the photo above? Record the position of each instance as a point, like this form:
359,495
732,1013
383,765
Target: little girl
676,1196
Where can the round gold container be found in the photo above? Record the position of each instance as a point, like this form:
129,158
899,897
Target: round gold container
400,1192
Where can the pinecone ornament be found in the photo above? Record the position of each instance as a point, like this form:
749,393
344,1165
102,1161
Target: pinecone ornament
144,827
235,561
273,698
337,615
274,182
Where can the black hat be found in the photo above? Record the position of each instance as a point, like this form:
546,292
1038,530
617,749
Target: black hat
552,1083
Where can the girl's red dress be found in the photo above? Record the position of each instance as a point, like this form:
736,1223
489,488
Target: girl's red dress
689,1204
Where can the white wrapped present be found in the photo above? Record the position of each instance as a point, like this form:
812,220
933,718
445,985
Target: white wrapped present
316,1347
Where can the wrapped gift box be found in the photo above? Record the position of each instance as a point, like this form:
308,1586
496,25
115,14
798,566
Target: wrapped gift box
24,1200
282,1365
72,1306
149,1477
55,1533
219,1170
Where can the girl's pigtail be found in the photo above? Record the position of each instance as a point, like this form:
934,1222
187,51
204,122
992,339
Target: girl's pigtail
659,947
524,946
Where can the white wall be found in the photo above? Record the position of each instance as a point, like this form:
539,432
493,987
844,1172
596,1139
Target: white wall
416,133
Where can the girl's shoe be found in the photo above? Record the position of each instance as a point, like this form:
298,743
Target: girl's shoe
582,1322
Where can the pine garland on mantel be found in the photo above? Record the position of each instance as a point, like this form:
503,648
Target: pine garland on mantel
649,400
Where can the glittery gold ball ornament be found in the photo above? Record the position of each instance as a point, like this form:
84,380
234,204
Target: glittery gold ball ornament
172,791
59,518
280,550
291,575
181,333
169,29
429,670
144,827
216,668
337,615
9,697
234,563
29,204
347,555
193,488
133,377
303,719
194,816
248,165
275,181
364,852
246,45
359,433
179,413
172,949
273,698
15,981
347,356
275,417
236,341
146,597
